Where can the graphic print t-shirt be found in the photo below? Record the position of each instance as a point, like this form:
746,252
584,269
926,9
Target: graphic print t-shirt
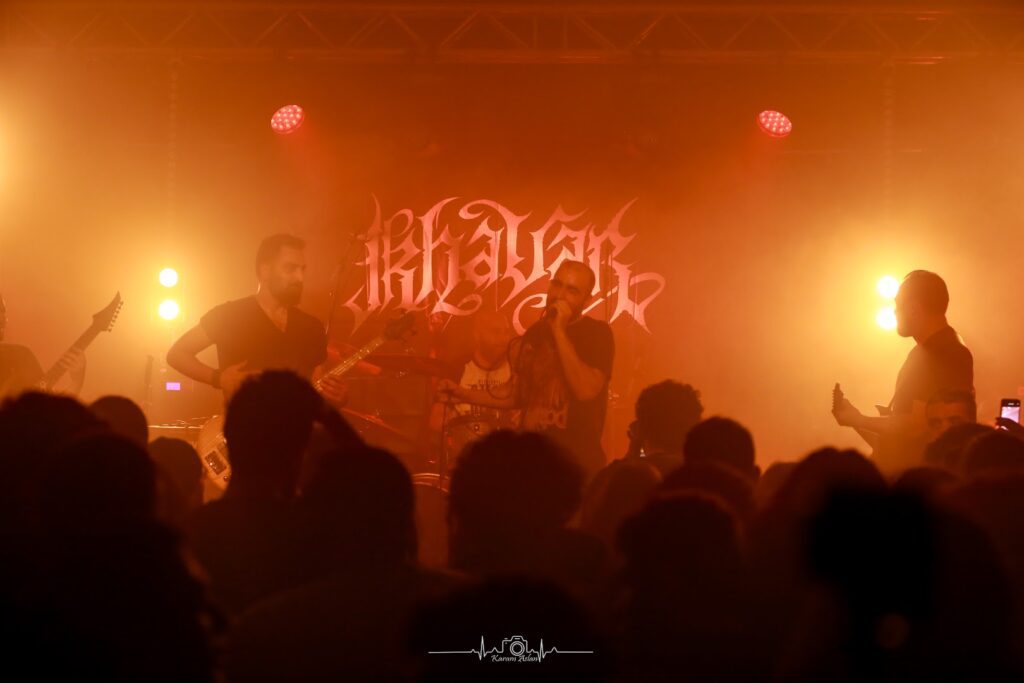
243,333
547,402
475,377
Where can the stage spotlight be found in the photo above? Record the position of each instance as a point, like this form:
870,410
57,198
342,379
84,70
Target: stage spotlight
168,277
886,318
169,309
287,119
888,286
774,123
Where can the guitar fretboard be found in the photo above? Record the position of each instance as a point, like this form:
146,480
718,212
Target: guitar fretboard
350,362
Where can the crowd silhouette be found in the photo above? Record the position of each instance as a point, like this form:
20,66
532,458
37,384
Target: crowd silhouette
680,561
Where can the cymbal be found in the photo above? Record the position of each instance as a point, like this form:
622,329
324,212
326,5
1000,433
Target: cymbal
418,365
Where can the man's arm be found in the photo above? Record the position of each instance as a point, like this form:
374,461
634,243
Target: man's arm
585,382
911,423
501,396
182,356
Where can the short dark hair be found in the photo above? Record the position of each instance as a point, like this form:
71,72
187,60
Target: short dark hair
268,426
719,439
493,476
927,289
124,417
272,246
957,396
666,412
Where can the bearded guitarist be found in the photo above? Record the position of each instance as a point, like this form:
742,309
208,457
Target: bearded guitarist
261,332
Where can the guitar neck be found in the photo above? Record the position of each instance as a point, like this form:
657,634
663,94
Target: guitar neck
56,371
350,362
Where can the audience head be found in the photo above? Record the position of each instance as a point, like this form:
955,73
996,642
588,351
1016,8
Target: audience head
716,480
363,502
618,491
819,475
665,413
685,539
725,441
180,461
949,409
513,481
947,450
930,483
993,451
919,589
123,417
33,427
921,303
268,427
100,483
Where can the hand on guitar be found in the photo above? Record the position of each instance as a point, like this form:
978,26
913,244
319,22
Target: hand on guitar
73,363
844,411
232,377
334,390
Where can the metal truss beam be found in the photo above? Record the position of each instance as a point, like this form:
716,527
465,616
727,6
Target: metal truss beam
514,32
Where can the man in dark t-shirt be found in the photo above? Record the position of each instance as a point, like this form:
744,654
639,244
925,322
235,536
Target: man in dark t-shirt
940,363
560,371
265,331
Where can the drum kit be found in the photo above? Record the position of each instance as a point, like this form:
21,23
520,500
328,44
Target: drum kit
457,431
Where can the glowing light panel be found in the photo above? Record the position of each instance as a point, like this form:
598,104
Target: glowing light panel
775,123
168,277
886,318
169,309
287,119
888,286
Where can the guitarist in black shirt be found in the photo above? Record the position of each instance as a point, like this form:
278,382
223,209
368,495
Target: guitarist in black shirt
261,332
939,363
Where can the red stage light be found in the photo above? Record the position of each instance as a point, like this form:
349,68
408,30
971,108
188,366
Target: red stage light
287,119
774,123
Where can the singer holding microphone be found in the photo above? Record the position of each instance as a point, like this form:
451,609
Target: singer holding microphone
560,371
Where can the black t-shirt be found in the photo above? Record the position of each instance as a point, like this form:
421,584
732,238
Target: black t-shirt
547,402
243,333
19,369
938,364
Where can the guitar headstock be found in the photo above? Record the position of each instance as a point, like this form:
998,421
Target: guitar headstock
103,321
399,327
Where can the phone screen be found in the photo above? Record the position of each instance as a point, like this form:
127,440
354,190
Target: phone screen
1010,411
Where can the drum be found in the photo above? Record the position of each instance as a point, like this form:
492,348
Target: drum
463,430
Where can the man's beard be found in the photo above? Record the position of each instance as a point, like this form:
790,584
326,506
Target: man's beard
290,295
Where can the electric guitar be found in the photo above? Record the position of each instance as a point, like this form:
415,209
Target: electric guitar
103,321
213,447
